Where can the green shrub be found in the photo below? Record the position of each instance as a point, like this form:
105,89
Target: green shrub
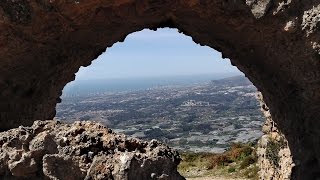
272,151
247,161
231,170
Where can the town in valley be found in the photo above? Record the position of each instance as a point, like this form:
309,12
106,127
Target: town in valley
199,117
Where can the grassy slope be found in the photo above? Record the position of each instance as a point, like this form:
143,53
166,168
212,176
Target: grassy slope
237,162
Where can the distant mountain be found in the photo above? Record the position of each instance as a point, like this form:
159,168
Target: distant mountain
232,81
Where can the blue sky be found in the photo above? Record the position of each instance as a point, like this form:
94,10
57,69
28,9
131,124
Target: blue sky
164,52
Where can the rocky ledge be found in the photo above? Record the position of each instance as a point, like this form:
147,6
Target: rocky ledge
82,150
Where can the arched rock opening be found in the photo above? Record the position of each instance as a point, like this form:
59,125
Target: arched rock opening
275,43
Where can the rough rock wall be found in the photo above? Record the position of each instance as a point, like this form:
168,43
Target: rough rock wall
82,150
274,42
274,156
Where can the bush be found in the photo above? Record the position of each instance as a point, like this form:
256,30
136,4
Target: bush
220,160
272,151
236,152
247,161
239,151
231,170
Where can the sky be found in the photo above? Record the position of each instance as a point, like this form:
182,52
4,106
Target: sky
147,53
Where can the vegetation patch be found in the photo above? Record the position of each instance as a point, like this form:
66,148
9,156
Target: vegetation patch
252,172
272,151
231,170
247,161
238,161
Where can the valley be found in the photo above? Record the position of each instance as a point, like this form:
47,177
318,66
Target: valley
204,117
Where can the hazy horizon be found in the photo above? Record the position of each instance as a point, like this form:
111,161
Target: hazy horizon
213,75
85,87
151,58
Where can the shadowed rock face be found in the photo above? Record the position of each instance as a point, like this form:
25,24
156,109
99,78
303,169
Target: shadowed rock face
83,150
275,43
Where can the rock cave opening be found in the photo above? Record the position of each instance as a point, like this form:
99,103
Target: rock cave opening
161,85
275,44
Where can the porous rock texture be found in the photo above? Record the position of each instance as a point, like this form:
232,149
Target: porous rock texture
82,150
274,156
275,43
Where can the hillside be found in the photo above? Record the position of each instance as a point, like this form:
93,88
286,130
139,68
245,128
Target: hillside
238,162
232,81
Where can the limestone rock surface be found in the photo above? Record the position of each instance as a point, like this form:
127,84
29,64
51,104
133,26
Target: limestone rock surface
274,155
82,150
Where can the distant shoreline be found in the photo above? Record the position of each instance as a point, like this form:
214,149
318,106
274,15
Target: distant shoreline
85,87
